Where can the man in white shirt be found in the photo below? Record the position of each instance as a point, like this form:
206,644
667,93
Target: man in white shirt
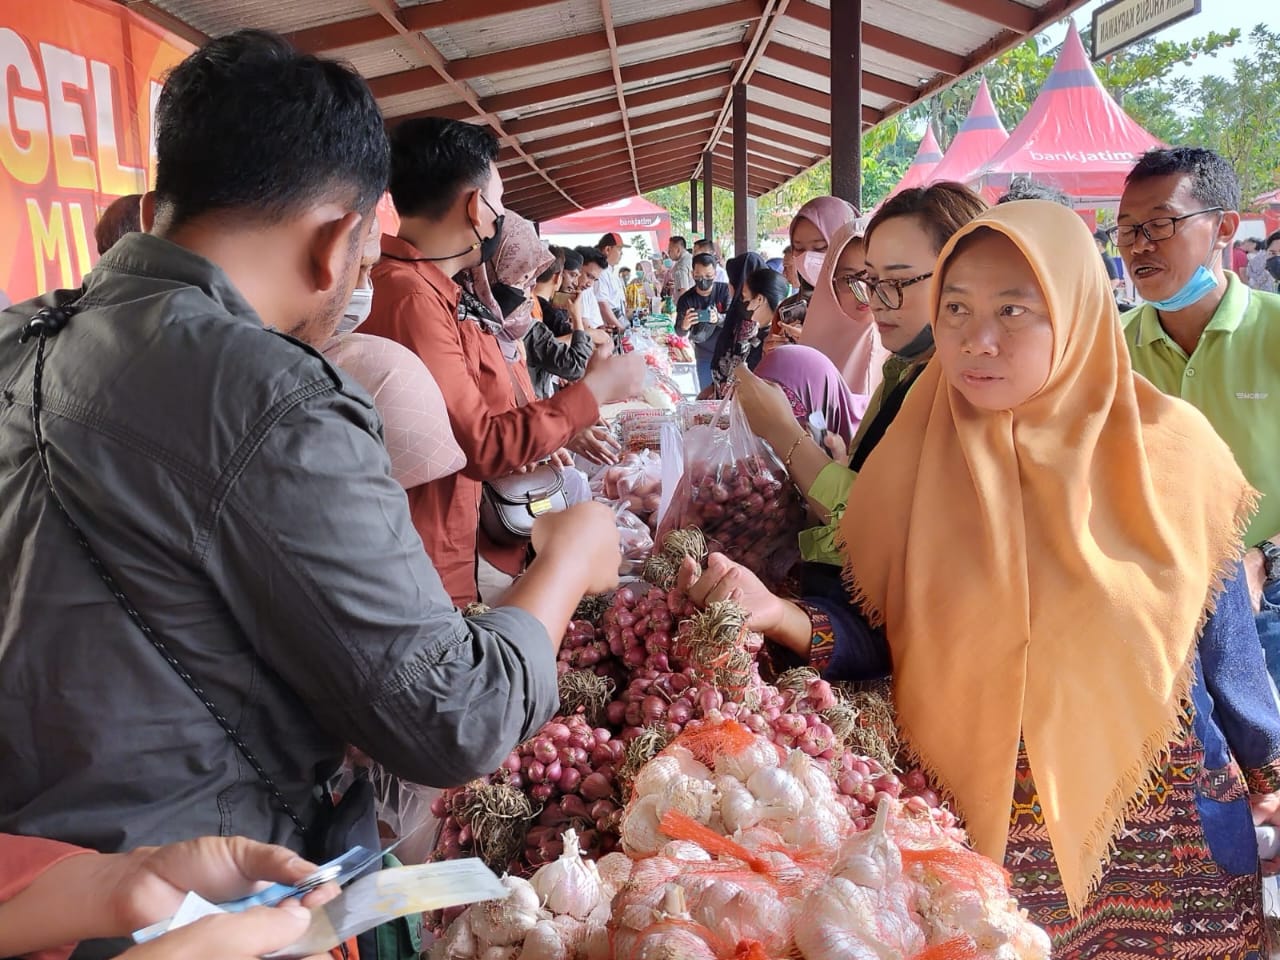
609,288
681,267
594,266
707,246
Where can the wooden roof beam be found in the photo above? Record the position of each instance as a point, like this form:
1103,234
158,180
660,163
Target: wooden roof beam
588,135
648,97
768,136
807,95
389,11
176,26
672,153
769,156
724,152
797,121
877,38
662,68
664,141
758,166
596,83
584,184
606,13
761,33
1006,13
584,187
871,82
584,44
666,152
427,16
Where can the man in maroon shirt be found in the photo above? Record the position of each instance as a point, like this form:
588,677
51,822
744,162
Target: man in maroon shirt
446,188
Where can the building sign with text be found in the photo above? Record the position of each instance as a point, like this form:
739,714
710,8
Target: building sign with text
1118,24
79,81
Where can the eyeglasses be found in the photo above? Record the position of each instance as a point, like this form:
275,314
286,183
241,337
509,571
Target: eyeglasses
1155,229
855,283
888,291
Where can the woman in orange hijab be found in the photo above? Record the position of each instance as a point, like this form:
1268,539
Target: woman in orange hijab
1050,549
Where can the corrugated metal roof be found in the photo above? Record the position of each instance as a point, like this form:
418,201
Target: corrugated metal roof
690,44
215,17
527,75
535,25
428,99
381,57
635,11
543,73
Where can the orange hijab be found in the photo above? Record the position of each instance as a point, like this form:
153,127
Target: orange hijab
1043,573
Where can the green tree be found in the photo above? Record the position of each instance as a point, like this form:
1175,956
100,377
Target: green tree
1239,116
675,199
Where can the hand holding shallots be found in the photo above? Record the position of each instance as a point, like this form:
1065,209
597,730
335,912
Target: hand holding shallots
585,537
776,617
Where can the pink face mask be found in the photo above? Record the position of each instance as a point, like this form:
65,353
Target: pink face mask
810,264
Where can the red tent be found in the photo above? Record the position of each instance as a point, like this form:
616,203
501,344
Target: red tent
1074,137
625,217
977,141
927,156
1269,204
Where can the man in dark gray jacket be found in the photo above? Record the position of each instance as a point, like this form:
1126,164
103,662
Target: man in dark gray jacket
235,487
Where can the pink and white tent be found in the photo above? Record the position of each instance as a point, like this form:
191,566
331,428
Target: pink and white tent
977,141
625,217
1074,137
926,159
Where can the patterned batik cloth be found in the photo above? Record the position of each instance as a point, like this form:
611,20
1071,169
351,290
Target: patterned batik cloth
1161,894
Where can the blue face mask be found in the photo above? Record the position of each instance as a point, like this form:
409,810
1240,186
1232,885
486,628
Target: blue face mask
1200,285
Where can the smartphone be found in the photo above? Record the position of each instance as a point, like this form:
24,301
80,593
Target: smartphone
793,313
704,315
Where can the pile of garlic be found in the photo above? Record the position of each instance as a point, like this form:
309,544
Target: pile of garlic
774,869
560,913
900,887
755,788
813,887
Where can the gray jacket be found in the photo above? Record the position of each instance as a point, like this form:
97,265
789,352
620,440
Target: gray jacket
237,487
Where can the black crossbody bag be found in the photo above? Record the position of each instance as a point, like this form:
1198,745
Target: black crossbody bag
339,826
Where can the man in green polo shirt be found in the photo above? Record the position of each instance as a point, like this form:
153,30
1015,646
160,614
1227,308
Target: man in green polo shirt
1206,337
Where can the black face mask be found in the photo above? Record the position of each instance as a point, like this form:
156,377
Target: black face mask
488,246
704,284
509,298
920,344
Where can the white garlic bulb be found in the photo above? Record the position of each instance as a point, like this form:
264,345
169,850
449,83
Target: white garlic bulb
569,884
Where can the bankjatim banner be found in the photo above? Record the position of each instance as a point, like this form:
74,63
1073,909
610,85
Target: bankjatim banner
79,81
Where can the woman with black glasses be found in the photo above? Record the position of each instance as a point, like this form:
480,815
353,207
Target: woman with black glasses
903,241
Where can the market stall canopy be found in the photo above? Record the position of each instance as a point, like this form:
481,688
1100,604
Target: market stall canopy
979,138
597,100
1074,137
624,217
926,159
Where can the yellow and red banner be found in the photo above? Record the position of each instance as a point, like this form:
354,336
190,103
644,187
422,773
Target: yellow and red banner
79,81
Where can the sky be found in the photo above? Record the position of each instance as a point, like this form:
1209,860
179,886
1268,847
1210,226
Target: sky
1220,15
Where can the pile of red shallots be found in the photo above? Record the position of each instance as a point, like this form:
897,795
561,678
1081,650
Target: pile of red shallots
634,673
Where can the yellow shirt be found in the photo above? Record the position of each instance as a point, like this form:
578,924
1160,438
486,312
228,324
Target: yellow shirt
1232,377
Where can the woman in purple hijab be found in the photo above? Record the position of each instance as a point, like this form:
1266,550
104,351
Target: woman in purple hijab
814,385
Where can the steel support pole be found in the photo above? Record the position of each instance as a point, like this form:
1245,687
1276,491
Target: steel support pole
741,230
846,100
708,209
